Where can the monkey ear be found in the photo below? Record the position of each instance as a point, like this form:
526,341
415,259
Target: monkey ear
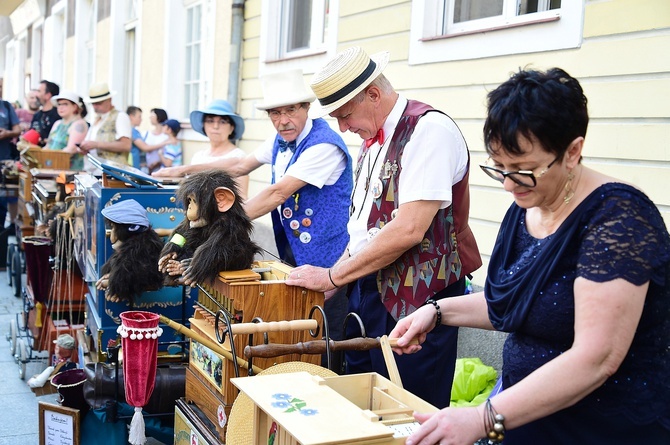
225,198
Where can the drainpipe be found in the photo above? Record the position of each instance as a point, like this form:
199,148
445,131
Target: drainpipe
237,28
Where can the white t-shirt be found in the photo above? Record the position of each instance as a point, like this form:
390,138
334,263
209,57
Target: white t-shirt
318,165
153,139
434,159
203,156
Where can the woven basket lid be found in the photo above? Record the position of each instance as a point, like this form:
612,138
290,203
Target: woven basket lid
240,428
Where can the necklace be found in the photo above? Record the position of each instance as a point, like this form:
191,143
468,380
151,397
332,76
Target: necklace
370,168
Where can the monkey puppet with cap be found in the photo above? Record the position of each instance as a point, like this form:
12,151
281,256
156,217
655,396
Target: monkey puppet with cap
131,269
214,236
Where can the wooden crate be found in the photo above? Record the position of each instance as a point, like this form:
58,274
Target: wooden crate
298,408
39,158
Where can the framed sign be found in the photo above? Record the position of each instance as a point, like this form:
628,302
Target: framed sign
59,425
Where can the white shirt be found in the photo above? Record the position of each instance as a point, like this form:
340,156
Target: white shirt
434,159
318,165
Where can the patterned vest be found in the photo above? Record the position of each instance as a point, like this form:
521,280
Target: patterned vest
315,220
107,133
448,250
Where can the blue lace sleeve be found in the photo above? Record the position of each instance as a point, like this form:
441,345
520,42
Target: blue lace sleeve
625,237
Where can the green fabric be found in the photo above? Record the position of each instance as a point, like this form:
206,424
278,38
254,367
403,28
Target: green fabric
473,382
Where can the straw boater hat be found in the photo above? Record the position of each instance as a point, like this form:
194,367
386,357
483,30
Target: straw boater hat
285,88
344,77
99,92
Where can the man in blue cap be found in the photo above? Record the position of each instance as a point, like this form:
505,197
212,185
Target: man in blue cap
311,182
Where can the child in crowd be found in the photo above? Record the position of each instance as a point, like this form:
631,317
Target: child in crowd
140,148
171,155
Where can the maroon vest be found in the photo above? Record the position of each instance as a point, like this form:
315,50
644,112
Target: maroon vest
448,250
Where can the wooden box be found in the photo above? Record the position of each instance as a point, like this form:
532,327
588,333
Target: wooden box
265,300
299,408
199,392
39,158
189,429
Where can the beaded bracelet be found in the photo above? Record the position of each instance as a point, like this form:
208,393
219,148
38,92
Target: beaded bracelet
438,319
494,424
330,277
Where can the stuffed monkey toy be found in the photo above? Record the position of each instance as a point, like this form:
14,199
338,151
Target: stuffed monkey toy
214,236
131,269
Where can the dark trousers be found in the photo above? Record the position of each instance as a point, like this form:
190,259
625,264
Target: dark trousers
430,372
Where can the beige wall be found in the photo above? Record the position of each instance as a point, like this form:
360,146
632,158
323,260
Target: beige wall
623,65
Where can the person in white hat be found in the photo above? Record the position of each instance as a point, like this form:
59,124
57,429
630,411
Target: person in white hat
410,243
311,182
110,134
71,129
64,350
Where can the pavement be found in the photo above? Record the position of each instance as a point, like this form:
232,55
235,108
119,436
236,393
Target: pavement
19,421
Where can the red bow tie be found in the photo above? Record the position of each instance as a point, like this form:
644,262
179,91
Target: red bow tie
379,137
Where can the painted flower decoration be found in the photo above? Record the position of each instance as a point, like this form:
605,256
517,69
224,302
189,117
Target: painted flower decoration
292,404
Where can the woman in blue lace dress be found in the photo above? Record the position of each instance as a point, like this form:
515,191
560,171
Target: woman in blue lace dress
579,277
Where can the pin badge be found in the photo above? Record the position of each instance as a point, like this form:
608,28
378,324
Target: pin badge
294,224
309,212
377,188
306,222
287,213
305,237
394,213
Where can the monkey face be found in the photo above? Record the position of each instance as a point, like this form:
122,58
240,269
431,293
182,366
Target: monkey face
193,214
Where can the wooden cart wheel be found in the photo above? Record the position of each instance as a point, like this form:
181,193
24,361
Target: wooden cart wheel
13,332
23,359
16,271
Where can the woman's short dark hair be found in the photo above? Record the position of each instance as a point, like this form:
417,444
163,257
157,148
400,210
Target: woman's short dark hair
550,106
83,111
161,114
225,118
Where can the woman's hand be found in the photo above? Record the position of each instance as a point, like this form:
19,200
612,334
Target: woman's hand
450,426
416,325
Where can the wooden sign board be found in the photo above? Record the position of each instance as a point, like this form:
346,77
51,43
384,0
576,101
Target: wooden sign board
59,425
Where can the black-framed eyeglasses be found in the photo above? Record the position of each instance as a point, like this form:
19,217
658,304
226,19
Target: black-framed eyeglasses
525,178
290,112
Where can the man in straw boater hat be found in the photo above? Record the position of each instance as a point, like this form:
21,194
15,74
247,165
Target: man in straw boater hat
110,134
410,243
311,183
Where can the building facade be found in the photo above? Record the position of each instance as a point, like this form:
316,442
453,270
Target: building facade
180,54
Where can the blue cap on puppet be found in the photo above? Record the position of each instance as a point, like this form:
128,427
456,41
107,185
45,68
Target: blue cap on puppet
128,212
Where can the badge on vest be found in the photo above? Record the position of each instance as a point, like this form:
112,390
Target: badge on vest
372,233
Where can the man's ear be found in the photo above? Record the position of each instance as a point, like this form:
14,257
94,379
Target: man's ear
225,198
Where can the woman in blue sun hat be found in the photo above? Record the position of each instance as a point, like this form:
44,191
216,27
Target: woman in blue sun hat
223,127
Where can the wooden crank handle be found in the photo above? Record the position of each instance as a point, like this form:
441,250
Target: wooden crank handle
314,347
273,326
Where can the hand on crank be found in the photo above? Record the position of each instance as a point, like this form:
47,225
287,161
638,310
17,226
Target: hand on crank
416,325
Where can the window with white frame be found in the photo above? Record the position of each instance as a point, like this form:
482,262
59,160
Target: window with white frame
193,74
296,28
130,59
444,30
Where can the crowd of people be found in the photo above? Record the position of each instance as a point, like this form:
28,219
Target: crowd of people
579,275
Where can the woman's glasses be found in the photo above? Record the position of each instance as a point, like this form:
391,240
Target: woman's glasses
525,178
